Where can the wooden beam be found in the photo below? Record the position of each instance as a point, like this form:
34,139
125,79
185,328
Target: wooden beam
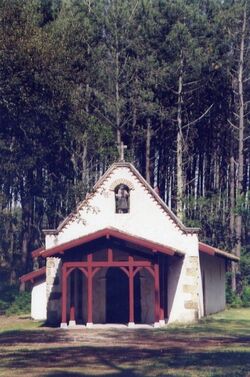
108,264
90,288
64,295
110,232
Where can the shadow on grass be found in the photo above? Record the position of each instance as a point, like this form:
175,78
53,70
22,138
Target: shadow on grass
16,337
127,373
131,361
162,339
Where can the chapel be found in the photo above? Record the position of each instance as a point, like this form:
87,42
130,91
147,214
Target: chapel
123,257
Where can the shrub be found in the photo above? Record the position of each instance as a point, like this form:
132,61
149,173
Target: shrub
236,301
246,296
20,305
8,295
3,306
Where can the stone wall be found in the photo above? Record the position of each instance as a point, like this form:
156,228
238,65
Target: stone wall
184,289
191,286
53,289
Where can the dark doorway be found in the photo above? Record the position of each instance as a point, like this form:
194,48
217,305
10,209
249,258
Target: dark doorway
117,296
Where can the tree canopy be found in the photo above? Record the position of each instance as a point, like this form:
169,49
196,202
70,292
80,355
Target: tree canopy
168,78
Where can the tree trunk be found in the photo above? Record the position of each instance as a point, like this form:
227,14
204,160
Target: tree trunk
148,141
232,218
179,159
239,180
117,97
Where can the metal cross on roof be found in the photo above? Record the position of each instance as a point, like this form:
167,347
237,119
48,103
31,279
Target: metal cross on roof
121,148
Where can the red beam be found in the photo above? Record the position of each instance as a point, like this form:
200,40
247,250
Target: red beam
206,248
131,290
90,289
74,243
108,264
75,294
64,295
110,255
37,252
33,275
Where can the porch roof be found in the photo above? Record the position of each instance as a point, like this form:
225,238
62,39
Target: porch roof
31,276
203,247
110,233
37,252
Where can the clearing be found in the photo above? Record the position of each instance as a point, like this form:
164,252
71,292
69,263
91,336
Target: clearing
217,346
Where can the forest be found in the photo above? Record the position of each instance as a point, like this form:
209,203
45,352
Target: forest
168,78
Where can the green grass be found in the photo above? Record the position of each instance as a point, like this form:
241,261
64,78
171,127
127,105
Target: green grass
232,322
17,323
217,346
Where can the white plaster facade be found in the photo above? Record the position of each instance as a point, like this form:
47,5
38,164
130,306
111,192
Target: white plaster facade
39,301
146,217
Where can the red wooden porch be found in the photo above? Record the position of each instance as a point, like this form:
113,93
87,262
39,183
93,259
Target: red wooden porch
136,260
89,268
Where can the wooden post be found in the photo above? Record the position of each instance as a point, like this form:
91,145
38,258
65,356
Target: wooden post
84,280
90,291
131,292
110,255
76,287
64,297
72,312
72,315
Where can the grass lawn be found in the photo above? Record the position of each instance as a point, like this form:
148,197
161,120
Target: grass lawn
218,346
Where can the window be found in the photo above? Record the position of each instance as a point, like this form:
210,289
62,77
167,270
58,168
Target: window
121,199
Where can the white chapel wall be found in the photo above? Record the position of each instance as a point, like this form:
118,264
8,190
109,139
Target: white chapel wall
39,300
146,218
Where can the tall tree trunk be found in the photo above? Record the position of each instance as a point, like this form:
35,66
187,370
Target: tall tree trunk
179,159
26,225
232,208
148,142
117,96
134,121
240,170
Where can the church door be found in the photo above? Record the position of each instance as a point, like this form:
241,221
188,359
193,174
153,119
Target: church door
117,296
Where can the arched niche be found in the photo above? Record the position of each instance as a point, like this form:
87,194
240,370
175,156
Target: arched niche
122,198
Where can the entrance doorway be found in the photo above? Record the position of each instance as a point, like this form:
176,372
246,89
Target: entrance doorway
117,296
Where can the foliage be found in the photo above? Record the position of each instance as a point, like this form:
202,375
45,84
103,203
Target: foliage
12,301
20,305
235,300
76,76
245,265
246,296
